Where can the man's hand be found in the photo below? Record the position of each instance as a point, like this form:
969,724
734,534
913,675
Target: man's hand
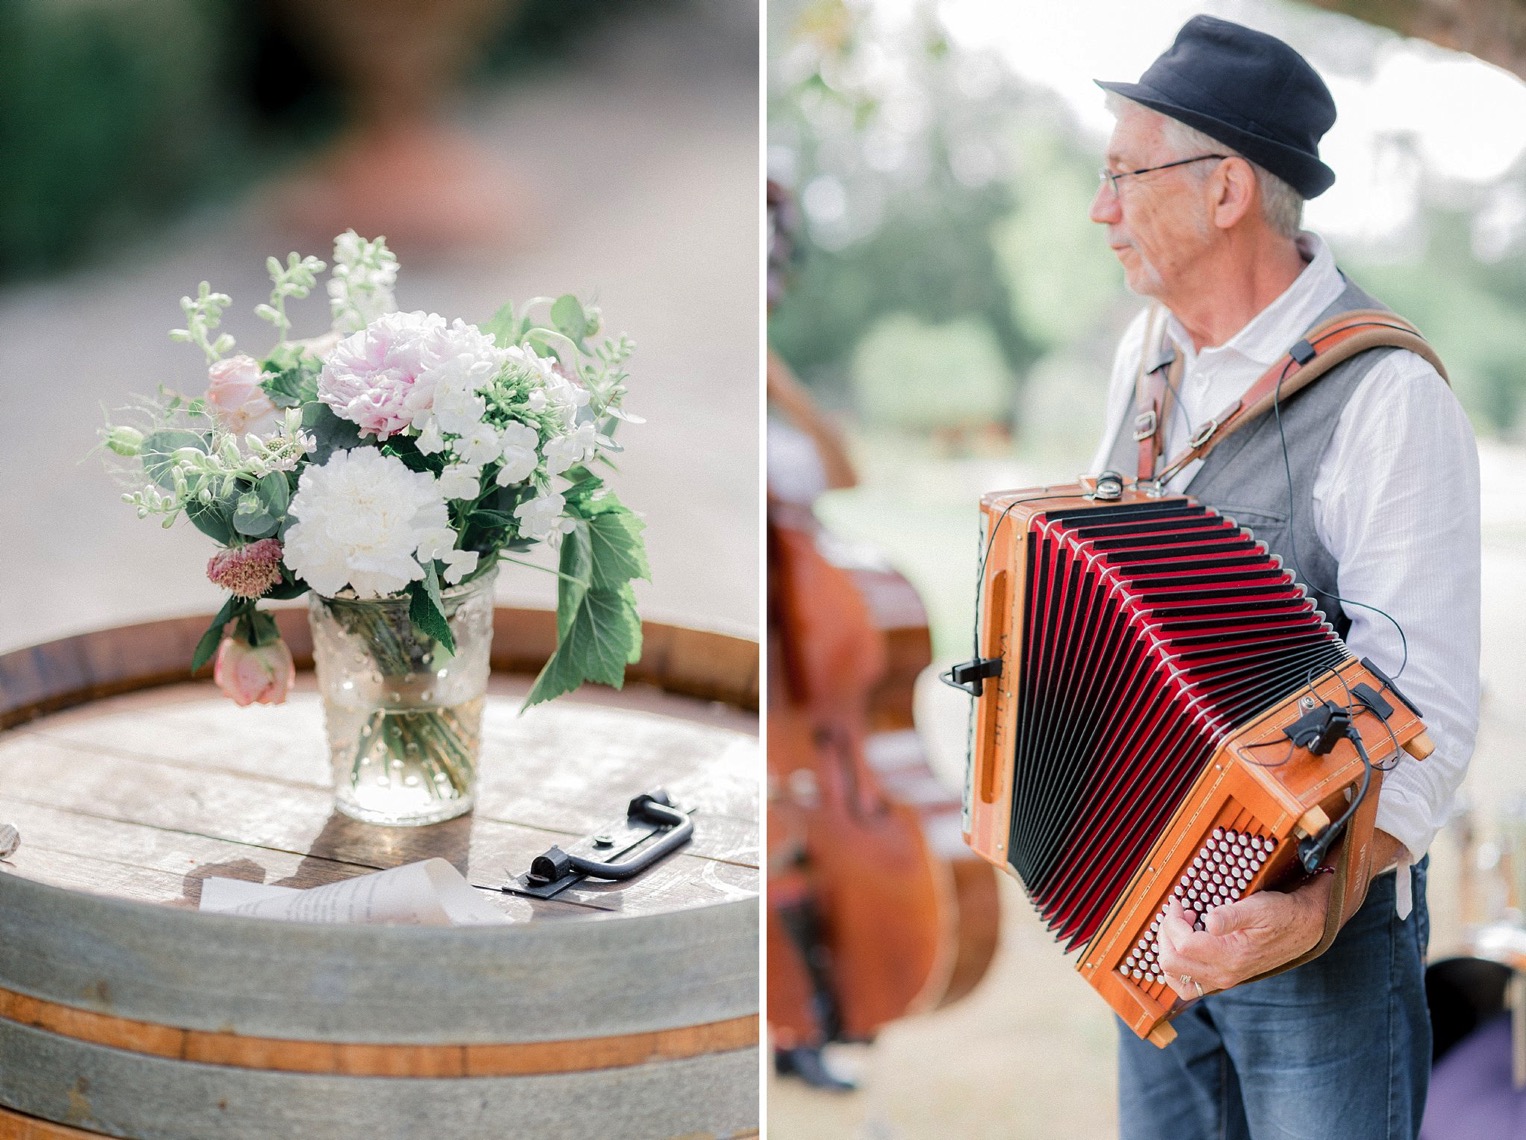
1240,939
1258,933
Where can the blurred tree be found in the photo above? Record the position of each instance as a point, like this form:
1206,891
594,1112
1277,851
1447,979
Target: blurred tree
1474,312
1493,30
897,154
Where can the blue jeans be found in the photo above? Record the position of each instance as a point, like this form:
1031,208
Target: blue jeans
1338,1048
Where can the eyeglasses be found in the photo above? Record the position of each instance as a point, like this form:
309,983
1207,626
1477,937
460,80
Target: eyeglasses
1112,177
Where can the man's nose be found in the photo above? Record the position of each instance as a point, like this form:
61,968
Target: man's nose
1105,209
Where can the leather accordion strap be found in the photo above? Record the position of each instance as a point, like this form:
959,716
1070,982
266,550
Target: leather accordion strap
1322,348
1154,390
1352,860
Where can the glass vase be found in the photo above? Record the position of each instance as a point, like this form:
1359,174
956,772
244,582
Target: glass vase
403,713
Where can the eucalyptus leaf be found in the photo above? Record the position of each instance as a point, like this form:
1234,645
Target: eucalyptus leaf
213,520
275,493
159,449
252,520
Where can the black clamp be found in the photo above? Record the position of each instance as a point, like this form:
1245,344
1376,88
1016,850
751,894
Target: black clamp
595,857
1319,728
971,675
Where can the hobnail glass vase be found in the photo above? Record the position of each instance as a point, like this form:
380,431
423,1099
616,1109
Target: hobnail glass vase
403,713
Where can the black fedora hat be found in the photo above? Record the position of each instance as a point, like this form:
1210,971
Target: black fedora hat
1247,89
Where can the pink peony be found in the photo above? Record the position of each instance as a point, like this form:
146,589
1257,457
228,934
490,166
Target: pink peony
235,395
370,376
253,674
247,570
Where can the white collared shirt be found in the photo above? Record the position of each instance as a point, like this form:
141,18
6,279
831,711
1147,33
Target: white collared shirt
1396,501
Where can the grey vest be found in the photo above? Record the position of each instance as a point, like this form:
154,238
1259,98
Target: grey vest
1244,477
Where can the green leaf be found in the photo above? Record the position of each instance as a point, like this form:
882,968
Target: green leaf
570,320
427,609
504,327
329,431
577,564
210,640
291,382
604,637
263,628
159,448
618,552
213,520
251,519
275,493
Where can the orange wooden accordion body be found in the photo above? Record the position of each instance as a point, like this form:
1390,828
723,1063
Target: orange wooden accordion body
1155,665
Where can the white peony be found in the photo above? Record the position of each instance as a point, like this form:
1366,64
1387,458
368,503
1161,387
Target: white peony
361,519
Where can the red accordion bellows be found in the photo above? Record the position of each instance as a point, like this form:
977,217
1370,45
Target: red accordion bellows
1152,655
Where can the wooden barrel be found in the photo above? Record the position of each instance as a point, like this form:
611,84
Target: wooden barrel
613,1010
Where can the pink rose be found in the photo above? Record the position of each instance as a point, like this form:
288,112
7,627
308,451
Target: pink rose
254,674
234,393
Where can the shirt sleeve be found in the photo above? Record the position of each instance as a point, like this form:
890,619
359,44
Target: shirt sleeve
1396,501
1120,390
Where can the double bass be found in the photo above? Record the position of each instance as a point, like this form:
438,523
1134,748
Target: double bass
877,909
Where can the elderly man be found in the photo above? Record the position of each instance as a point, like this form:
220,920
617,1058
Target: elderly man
1366,484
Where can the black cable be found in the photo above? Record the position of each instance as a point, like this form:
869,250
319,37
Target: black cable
1287,466
1311,851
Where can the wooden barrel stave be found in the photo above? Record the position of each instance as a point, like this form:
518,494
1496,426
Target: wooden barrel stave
120,1093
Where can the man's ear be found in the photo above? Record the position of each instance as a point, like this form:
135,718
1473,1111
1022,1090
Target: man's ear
1232,193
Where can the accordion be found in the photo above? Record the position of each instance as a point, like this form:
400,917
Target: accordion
1161,711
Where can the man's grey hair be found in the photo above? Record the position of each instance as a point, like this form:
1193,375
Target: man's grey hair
1281,205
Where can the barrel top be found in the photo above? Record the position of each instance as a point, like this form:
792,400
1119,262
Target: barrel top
143,795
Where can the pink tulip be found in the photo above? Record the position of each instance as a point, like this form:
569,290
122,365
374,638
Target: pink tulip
234,394
254,674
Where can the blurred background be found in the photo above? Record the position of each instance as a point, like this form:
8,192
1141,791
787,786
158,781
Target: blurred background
506,148
954,308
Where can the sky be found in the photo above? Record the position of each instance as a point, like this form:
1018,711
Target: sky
1410,114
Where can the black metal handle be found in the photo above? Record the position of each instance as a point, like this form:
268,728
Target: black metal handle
555,863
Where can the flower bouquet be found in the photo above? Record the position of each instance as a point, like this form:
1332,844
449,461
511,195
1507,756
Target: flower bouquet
388,467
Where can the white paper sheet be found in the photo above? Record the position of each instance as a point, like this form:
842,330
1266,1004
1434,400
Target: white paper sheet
430,893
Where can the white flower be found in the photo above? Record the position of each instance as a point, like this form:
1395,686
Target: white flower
361,518
479,445
519,458
430,440
566,450
460,481
458,564
539,516
360,287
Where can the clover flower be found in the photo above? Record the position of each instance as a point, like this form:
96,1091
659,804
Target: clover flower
248,571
